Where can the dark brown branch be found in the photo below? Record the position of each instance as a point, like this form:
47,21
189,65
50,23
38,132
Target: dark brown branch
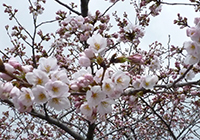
167,3
182,76
84,7
58,124
50,120
65,5
90,133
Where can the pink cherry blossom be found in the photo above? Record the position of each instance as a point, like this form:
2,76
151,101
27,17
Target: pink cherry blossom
26,97
89,53
84,61
5,89
13,61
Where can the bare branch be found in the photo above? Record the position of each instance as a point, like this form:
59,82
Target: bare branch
65,5
167,3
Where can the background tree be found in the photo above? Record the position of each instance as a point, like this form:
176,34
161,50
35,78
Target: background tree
92,83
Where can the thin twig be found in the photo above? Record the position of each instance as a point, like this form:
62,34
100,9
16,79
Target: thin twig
189,4
65,5
109,8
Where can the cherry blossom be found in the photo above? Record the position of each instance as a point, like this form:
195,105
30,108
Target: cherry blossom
59,102
57,88
97,43
40,94
86,109
105,107
48,64
5,89
84,61
26,97
149,81
37,77
94,96
121,79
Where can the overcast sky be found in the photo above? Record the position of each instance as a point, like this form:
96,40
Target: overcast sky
159,29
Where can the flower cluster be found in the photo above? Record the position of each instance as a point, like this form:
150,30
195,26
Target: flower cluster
97,46
147,82
193,47
100,98
48,84
131,33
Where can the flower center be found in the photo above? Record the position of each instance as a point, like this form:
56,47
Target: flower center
97,46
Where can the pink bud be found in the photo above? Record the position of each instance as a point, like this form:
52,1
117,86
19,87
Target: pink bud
136,58
84,61
89,53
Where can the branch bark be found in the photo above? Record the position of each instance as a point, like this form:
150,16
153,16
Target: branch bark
90,133
84,7
51,121
58,124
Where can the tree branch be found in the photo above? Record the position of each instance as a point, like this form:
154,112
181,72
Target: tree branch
90,133
165,123
84,7
65,5
50,120
167,3
58,124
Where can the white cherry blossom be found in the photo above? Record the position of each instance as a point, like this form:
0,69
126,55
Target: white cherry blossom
57,88
48,64
97,43
40,94
37,77
149,81
94,96
59,103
